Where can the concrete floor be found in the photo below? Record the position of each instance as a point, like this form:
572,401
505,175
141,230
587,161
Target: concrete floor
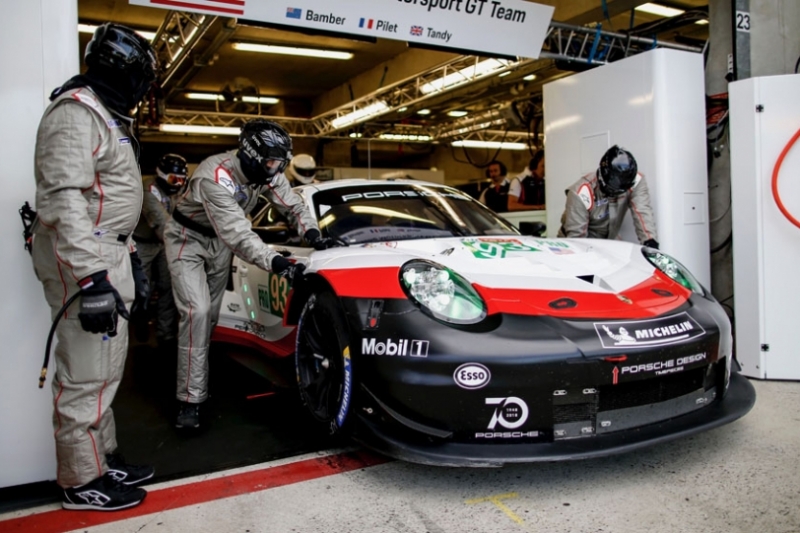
743,477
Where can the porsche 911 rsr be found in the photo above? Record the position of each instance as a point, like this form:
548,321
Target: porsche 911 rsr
437,333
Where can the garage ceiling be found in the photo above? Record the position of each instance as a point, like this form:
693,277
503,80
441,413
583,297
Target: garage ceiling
313,92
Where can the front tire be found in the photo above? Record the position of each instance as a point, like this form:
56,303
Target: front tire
322,361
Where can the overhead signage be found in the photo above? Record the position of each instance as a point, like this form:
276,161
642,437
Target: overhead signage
493,27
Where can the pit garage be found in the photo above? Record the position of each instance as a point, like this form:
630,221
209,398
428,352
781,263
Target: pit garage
442,365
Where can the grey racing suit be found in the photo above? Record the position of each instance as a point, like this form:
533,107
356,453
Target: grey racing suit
88,198
149,236
590,213
216,201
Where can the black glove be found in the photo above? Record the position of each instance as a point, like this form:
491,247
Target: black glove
652,243
316,239
141,285
101,304
293,272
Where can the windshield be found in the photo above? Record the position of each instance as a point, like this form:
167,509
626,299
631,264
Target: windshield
400,211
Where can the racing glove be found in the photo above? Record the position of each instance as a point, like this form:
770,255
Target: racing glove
652,243
141,285
100,305
316,239
293,272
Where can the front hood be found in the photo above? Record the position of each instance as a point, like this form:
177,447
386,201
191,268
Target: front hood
519,274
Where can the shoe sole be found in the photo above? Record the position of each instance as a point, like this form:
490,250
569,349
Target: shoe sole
87,507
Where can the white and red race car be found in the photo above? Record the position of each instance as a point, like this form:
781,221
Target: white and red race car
437,333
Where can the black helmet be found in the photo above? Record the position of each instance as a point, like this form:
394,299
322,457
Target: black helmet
260,142
171,173
119,48
617,171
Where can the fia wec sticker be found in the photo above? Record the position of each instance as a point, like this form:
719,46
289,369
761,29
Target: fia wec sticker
644,333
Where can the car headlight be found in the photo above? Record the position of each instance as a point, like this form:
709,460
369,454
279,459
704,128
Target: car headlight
442,293
672,268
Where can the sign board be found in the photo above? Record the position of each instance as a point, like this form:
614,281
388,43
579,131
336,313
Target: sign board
500,27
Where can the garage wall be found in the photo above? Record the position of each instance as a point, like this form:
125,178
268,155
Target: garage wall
38,51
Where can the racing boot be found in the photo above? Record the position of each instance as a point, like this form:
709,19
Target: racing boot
103,494
188,415
125,473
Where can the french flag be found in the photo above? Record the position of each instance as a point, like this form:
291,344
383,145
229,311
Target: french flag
365,23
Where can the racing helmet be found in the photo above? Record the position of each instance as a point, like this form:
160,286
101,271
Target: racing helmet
302,169
120,49
265,150
617,171
171,173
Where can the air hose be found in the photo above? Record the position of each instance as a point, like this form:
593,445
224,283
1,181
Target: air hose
775,194
56,320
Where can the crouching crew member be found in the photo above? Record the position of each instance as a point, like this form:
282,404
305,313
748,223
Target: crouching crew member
88,197
210,223
160,194
597,203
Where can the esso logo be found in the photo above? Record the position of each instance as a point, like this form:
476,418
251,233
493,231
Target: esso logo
472,376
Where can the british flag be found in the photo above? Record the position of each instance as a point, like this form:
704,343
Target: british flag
416,31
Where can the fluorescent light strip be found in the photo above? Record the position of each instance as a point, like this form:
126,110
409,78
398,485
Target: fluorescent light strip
359,114
89,28
491,144
403,137
464,75
657,9
219,97
291,51
190,128
456,113
530,77
424,112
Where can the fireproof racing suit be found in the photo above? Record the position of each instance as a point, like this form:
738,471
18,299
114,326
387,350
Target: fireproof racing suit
88,198
208,225
590,213
149,236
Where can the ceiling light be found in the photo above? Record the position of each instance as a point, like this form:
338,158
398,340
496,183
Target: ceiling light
504,74
90,28
292,51
402,109
355,135
658,9
464,75
530,77
403,137
249,99
491,144
190,128
371,110
701,21
424,112
456,113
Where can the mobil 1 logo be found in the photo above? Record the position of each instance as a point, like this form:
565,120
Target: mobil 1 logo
395,347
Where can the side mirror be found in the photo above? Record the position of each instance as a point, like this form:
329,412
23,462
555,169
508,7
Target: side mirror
533,229
273,234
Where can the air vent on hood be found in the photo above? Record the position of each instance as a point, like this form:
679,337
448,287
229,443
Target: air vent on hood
588,279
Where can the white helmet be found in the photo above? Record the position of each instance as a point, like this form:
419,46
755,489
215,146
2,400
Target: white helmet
302,169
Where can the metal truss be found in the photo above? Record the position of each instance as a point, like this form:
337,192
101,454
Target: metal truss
180,32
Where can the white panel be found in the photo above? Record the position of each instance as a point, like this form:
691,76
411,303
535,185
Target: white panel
653,105
592,149
38,51
767,244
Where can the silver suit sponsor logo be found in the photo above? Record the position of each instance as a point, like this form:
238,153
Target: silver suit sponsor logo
653,332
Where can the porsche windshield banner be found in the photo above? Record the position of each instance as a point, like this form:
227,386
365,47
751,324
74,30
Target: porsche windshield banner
502,27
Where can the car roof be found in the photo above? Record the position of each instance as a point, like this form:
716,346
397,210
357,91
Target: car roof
356,182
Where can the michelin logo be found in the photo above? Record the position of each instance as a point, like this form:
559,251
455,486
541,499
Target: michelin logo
399,347
643,333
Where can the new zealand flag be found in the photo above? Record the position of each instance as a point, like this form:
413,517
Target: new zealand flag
416,31
293,12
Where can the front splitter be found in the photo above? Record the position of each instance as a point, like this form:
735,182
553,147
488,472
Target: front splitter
739,400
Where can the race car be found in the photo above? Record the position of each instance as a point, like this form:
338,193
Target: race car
437,333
